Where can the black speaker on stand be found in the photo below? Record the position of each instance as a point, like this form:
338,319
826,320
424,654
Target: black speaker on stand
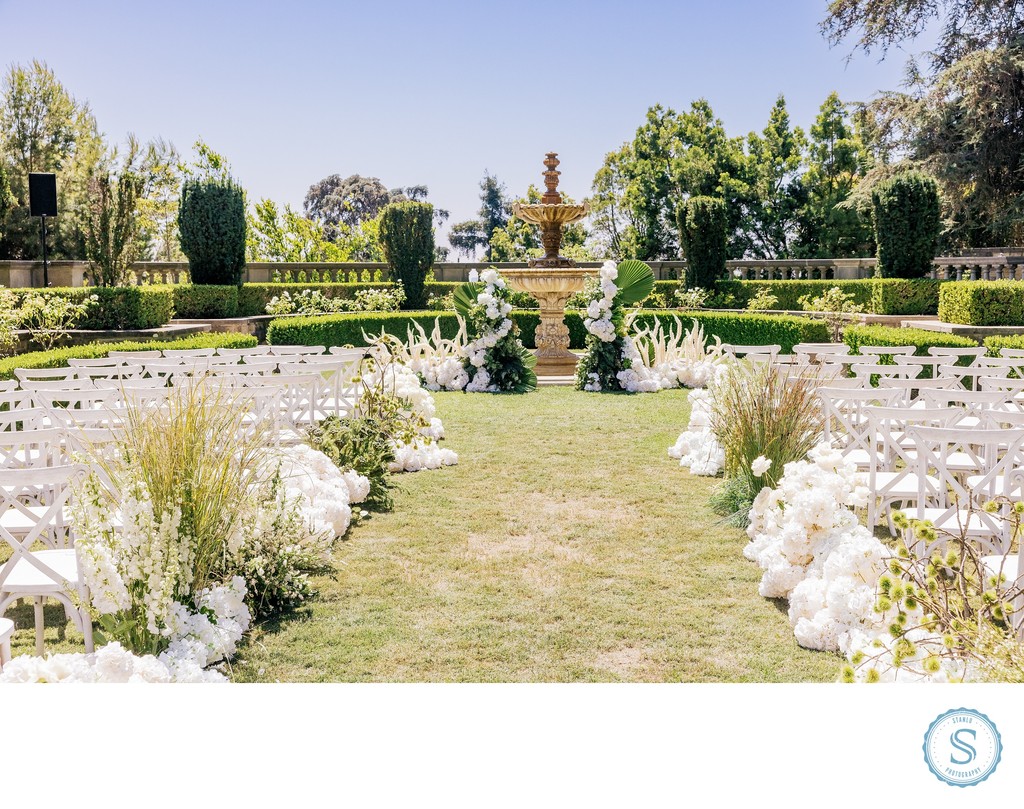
42,202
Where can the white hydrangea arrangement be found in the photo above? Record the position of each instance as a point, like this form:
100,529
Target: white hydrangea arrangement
416,448
495,359
698,448
806,536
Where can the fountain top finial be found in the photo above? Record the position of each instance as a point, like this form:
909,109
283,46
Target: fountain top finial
551,196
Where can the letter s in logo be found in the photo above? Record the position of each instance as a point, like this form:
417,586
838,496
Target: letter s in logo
959,744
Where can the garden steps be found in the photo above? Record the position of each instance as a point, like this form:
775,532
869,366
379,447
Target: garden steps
555,381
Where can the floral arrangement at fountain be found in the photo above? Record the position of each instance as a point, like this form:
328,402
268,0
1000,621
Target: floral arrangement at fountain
611,354
495,359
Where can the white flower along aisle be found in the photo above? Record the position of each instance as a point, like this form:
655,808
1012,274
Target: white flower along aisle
141,560
849,592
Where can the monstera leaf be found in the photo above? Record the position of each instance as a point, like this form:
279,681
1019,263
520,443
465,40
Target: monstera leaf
465,296
635,282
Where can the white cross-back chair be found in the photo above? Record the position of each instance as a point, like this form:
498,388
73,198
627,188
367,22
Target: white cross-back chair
23,418
349,353
845,422
751,351
974,402
886,351
910,389
950,351
27,519
28,449
40,374
875,370
252,351
892,474
995,453
171,353
967,375
151,354
292,351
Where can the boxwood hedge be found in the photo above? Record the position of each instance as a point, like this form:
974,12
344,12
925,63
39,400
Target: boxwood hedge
880,296
982,303
348,328
125,308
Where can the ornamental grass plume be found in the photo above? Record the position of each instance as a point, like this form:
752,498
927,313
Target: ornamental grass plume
197,452
763,410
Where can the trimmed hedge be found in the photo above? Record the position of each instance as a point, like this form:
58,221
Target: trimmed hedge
118,308
921,339
982,303
993,344
880,296
740,329
58,357
206,301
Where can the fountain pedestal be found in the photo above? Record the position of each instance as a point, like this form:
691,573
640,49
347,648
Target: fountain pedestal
552,280
552,287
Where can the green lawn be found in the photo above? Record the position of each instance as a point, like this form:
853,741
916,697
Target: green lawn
565,546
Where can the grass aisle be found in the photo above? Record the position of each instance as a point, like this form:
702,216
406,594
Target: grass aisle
565,546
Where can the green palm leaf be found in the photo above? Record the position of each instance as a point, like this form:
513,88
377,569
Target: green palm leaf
635,282
465,296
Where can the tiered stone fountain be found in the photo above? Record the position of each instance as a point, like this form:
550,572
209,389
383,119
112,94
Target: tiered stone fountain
554,278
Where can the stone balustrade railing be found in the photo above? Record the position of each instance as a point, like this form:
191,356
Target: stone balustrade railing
74,273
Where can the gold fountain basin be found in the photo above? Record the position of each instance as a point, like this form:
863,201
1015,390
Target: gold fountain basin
542,214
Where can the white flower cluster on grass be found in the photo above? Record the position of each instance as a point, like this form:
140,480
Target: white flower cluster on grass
436,360
598,317
493,299
324,491
421,451
816,554
197,642
148,555
668,357
697,447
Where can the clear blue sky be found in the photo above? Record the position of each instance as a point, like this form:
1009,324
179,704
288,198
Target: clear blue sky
429,92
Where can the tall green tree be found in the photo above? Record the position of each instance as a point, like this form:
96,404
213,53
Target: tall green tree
672,157
158,207
776,193
43,128
962,116
495,208
836,162
113,233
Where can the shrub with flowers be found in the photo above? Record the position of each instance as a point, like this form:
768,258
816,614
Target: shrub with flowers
612,360
946,612
391,392
314,302
495,360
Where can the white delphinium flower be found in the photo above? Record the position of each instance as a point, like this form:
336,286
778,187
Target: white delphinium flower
474,276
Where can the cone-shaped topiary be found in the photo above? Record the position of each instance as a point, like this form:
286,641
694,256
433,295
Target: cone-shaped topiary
908,223
211,221
407,237
703,234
